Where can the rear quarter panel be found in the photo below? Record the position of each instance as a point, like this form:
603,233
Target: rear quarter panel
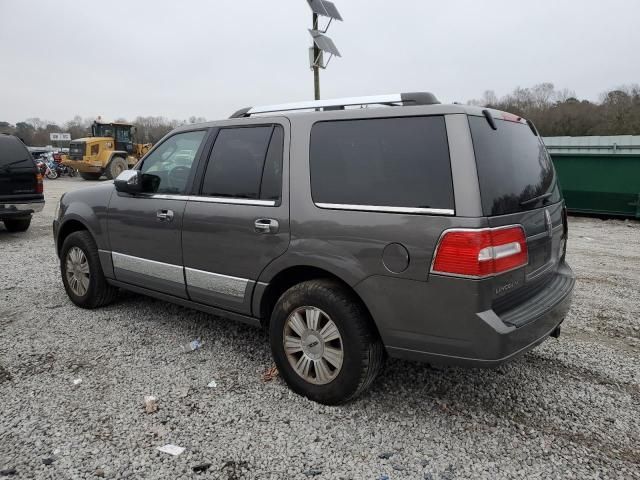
350,244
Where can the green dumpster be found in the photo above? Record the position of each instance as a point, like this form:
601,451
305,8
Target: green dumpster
598,175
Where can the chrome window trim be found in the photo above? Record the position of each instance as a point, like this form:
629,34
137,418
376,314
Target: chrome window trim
160,196
216,282
233,201
200,199
151,268
383,209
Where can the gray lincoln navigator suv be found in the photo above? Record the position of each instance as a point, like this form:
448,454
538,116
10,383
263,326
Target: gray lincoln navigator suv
417,230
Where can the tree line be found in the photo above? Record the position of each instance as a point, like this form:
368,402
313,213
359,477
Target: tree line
555,113
35,132
560,112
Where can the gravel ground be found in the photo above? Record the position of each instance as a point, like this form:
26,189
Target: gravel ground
569,409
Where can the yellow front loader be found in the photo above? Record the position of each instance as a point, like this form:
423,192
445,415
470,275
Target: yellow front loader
109,150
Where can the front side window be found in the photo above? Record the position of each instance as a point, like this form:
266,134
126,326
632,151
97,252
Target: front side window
246,163
167,168
102,130
382,162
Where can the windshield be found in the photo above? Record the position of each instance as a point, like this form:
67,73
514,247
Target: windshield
514,168
102,130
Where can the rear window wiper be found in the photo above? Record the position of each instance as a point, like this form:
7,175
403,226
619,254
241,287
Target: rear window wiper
544,196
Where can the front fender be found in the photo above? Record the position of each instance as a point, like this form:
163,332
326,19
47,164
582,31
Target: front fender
89,207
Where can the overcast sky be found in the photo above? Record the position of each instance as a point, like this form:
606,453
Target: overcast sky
124,58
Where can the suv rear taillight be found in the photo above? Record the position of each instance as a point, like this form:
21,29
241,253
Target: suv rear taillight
39,184
480,253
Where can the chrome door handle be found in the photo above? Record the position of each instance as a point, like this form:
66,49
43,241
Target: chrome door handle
266,225
164,215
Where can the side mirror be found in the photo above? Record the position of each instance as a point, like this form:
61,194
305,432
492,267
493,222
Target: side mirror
129,181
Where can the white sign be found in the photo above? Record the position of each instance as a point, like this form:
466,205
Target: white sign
60,137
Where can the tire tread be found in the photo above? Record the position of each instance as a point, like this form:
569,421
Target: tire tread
372,355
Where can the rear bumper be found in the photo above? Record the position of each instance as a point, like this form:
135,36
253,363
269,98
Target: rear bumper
8,210
482,339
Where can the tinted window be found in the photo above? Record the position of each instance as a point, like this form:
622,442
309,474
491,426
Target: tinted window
397,162
513,167
246,163
271,187
13,153
167,168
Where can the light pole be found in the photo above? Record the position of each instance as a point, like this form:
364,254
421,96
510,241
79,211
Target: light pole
315,66
321,43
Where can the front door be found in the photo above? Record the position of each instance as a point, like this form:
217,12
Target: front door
239,220
145,229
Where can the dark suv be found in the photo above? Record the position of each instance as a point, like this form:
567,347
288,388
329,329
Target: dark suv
419,230
21,189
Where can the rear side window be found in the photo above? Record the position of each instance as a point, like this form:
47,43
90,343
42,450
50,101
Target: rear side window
385,162
13,153
514,167
246,163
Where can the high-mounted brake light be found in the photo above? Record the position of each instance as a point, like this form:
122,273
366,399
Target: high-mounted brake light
480,253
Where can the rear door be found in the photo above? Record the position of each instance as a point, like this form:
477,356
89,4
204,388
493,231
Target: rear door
238,221
518,186
18,180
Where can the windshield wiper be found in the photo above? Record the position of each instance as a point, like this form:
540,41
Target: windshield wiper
544,196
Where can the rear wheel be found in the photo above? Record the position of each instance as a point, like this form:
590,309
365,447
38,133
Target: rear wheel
17,224
90,176
116,167
323,342
82,273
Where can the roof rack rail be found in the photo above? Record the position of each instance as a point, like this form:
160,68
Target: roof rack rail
397,99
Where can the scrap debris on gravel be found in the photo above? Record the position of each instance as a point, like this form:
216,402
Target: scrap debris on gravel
568,409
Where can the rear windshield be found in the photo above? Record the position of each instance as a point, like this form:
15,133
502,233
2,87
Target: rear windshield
514,167
13,153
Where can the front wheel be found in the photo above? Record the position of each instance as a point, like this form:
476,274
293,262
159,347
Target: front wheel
82,273
52,174
324,343
116,167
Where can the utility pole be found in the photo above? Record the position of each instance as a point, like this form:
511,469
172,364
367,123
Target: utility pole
316,67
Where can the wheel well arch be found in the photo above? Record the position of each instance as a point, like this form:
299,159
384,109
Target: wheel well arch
67,228
291,276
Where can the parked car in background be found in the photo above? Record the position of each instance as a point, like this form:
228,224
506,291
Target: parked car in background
421,231
21,188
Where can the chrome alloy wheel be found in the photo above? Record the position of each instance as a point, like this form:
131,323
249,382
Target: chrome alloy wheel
313,345
77,271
